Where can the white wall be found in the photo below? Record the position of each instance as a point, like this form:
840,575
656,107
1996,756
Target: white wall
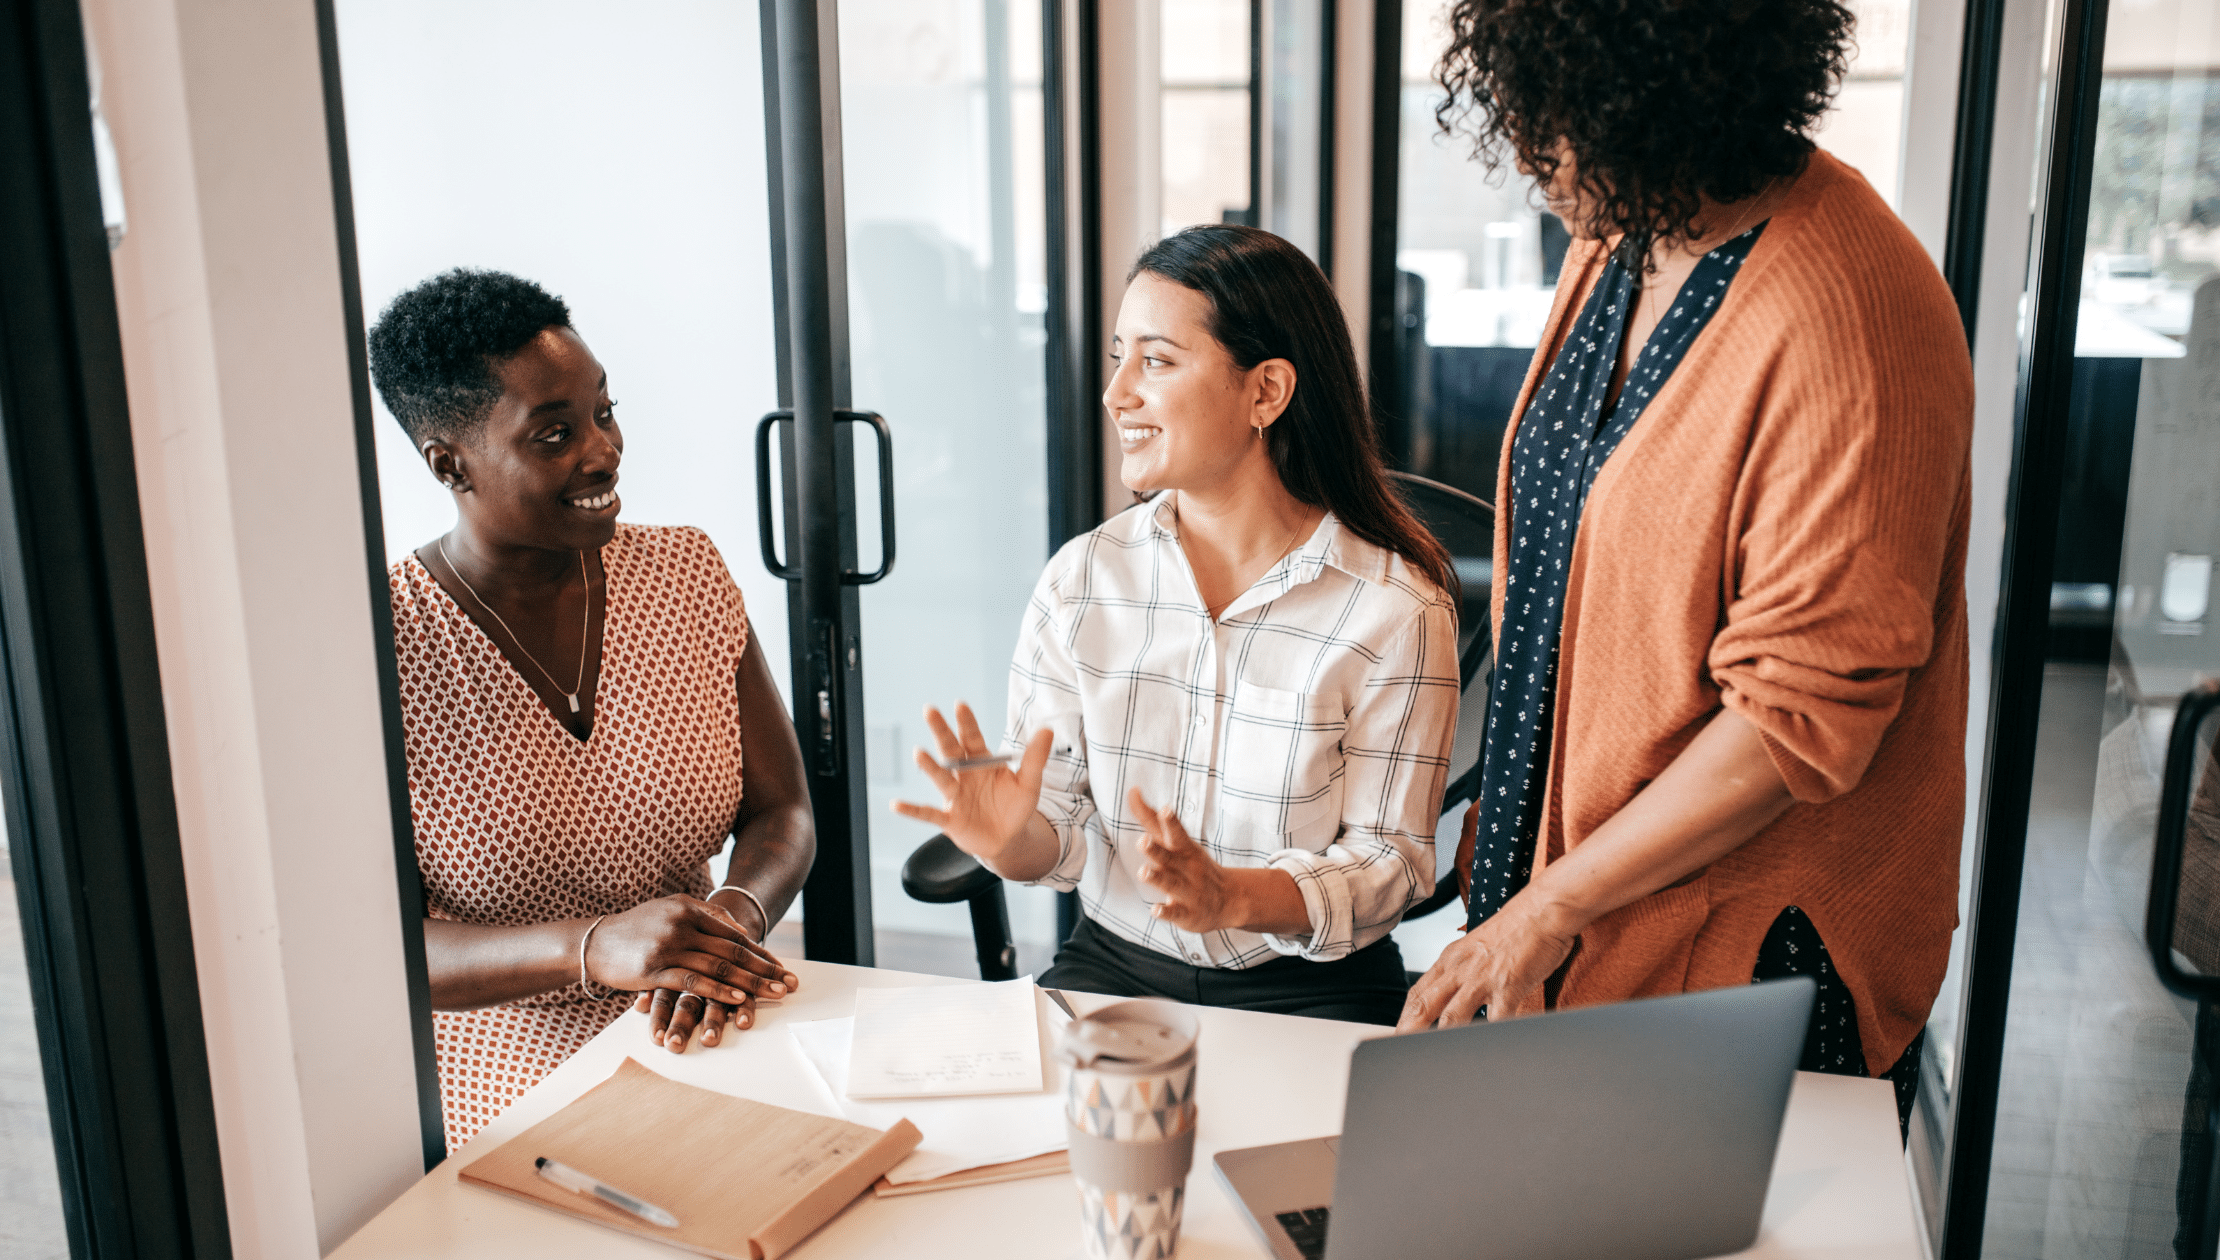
613,154
1352,269
235,354
1930,133
1131,143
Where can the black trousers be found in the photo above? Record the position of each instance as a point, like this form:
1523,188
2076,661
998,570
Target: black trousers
1367,987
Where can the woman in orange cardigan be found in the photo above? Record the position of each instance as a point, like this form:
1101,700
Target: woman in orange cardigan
1728,712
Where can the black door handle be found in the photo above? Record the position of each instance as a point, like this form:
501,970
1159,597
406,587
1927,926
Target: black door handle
764,536
886,495
2170,840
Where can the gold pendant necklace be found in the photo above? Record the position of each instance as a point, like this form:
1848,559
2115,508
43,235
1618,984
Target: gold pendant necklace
584,629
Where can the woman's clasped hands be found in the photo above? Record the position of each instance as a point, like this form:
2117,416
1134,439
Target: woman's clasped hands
691,963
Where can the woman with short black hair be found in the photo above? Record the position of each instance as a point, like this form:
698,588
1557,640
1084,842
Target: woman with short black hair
588,720
1728,711
1235,699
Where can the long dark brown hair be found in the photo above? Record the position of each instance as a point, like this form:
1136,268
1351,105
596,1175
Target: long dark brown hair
1269,301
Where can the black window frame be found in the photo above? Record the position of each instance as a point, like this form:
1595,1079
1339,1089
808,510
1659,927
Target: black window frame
94,845
2035,484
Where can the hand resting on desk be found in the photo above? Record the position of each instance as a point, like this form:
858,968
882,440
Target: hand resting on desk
681,946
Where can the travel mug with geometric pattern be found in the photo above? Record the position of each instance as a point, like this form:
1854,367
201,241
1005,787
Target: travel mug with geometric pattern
1129,1107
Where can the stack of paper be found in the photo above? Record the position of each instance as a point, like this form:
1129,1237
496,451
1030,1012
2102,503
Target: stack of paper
970,1065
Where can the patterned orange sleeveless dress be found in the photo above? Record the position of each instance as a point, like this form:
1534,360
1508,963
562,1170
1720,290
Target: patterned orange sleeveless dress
519,821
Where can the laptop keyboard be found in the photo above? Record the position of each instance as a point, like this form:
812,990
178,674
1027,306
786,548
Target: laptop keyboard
1307,1230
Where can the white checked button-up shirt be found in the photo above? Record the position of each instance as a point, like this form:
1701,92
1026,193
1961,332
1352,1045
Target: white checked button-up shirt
1307,729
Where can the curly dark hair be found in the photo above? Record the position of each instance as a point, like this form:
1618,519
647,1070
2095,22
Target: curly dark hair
433,350
1659,102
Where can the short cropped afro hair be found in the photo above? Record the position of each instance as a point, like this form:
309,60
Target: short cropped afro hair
1659,101
434,348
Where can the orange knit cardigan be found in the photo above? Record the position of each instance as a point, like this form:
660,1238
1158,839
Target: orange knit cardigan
1783,534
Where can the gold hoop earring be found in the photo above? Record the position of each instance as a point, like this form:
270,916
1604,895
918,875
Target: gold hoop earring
1259,431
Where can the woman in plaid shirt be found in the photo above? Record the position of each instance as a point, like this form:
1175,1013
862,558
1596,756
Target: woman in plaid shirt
1235,699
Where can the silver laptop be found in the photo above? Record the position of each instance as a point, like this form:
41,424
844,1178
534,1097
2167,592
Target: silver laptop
1641,1131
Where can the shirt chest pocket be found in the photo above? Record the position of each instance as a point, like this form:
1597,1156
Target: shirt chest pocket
1281,776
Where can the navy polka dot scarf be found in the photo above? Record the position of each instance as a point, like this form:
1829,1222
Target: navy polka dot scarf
1563,441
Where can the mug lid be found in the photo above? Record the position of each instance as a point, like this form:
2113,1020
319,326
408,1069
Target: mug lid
1134,1036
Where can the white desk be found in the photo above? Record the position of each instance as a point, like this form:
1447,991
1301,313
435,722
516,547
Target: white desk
1838,1185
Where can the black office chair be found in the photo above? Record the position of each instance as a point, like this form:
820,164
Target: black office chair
1465,524
939,873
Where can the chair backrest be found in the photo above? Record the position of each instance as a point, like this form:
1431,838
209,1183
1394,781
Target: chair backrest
1465,525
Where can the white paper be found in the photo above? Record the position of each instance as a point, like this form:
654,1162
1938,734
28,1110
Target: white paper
935,1040
959,1133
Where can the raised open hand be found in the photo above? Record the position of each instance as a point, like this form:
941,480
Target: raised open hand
987,809
1196,895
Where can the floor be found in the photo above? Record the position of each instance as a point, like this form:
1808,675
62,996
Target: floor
30,1198
2096,1054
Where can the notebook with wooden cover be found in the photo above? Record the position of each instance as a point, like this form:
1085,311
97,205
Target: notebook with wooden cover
746,1180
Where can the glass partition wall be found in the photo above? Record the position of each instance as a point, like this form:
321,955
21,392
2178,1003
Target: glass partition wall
1207,105
1245,103
942,158
31,1224
2102,1142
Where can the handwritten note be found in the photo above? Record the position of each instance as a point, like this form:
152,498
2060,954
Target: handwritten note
961,1132
945,1039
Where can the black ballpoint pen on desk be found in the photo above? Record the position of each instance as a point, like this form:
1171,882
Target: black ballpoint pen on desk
579,1183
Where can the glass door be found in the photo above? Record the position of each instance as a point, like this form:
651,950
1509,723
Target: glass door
945,192
936,208
636,193
2102,1144
910,223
